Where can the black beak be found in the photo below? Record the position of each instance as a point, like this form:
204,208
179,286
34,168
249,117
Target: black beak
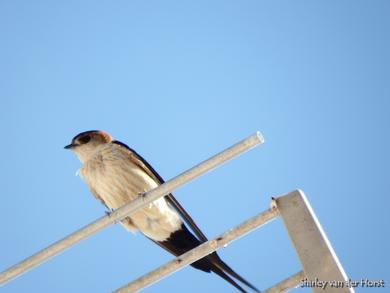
69,146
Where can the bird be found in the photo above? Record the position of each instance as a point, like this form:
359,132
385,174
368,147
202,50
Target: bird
117,174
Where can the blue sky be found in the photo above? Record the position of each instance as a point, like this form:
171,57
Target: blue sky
179,81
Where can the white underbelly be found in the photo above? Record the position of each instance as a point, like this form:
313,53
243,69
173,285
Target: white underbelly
157,221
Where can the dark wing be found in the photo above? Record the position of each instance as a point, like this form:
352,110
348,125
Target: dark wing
182,240
144,165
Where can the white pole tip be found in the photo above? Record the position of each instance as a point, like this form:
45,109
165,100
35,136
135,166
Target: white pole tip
260,136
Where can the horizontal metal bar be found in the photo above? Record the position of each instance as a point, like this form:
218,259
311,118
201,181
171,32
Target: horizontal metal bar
131,207
286,285
200,251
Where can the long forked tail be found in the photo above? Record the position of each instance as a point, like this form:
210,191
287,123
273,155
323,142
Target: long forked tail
219,267
226,277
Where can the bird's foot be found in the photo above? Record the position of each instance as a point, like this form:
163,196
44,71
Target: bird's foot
108,213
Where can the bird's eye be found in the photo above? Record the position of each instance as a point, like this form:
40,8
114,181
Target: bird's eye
85,139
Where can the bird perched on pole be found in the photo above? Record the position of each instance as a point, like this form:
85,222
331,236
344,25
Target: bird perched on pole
116,175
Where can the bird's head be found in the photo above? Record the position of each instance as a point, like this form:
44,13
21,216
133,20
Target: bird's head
85,144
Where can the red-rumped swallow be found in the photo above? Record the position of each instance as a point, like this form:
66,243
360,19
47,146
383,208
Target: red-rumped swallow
116,174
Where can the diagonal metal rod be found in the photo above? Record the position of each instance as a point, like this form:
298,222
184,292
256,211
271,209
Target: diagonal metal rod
131,207
319,260
200,251
287,284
